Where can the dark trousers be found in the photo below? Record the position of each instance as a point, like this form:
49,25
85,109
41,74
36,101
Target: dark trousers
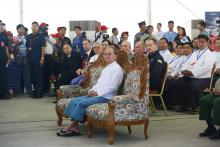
187,91
48,69
3,80
25,76
210,108
64,79
36,72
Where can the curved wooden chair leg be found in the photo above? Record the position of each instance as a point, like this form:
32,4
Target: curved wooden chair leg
129,130
59,115
146,124
90,129
59,95
111,134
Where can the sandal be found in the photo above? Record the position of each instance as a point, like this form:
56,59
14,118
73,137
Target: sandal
69,133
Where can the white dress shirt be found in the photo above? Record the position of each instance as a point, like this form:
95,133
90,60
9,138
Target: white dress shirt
174,64
114,40
158,35
93,58
49,47
201,64
109,81
93,37
217,57
167,55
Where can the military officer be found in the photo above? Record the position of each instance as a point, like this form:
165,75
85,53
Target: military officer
141,34
210,112
36,50
157,64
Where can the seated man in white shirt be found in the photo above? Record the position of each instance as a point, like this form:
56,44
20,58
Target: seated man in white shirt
174,71
105,88
176,60
187,50
164,51
187,90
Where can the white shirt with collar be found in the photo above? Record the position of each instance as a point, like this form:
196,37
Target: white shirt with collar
158,35
109,81
93,37
49,47
183,65
174,64
201,64
167,55
114,40
93,58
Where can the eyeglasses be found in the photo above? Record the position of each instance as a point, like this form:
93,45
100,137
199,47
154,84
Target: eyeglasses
108,54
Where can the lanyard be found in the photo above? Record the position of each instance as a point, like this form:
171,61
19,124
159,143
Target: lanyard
170,37
31,40
174,59
185,60
198,56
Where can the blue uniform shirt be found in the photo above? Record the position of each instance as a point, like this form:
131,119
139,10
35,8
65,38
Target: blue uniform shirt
34,45
170,36
3,45
77,45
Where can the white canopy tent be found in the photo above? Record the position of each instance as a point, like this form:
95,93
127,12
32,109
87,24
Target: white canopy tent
113,13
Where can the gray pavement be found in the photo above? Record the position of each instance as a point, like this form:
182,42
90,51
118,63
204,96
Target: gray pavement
27,122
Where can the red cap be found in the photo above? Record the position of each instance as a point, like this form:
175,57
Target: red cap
123,33
43,24
56,35
8,33
103,28
59,28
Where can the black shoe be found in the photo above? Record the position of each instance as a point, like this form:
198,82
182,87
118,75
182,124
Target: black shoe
208,132
215,136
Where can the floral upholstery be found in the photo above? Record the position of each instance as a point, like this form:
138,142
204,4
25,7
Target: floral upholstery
128,107
70,91
95,73
98,111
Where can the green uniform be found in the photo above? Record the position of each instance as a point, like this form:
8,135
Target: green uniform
210,107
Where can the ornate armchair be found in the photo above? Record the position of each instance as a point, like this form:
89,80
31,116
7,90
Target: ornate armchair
128,109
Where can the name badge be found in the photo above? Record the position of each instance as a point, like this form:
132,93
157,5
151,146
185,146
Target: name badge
2,44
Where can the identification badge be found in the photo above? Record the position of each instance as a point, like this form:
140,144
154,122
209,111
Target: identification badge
2,44
30,49
12,56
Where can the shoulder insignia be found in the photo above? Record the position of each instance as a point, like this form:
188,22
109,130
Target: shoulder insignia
159,61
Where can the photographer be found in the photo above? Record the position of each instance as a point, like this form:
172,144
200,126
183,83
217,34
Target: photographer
48,60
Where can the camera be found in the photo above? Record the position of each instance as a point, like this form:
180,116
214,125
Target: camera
105,36
43,31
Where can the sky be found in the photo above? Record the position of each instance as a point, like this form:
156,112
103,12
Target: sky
123,14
